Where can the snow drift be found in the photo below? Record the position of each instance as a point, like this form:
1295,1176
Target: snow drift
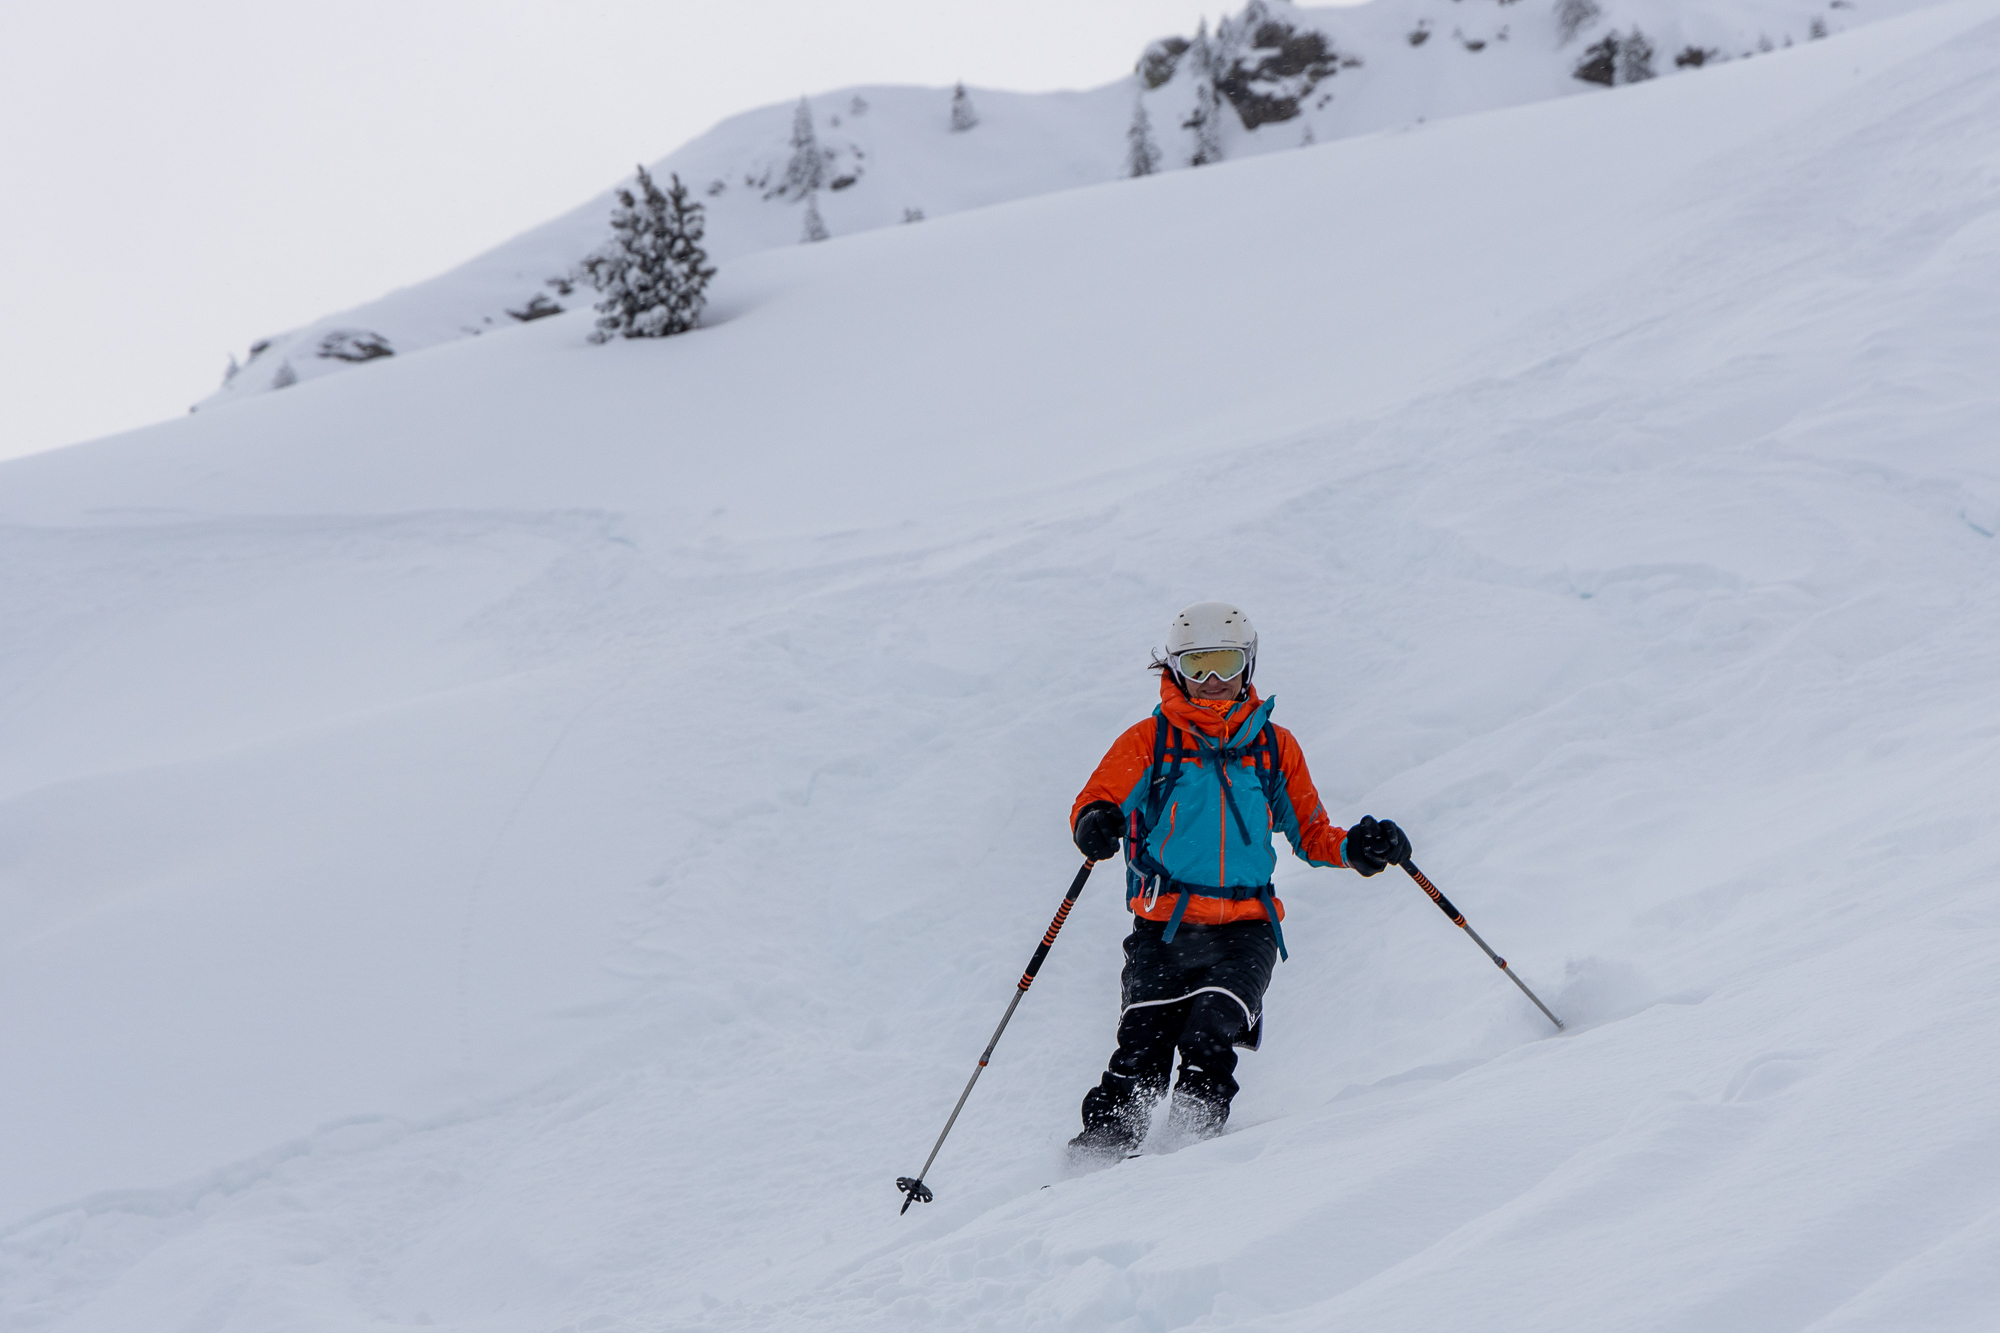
532,836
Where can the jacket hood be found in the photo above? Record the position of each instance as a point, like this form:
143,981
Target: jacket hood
1216,718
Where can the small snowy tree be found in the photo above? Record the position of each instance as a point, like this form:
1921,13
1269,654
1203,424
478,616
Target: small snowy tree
1206,119
1206,124
1142,155
1200,55
815,229
653,272
806,171
286,376
1572,17
1616,59
963,117
1635,58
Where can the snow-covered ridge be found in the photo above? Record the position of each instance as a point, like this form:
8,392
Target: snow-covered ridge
1273,77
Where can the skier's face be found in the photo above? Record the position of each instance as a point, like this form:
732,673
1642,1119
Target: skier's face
1212,687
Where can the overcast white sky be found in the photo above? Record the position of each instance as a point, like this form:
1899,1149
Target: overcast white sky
178,179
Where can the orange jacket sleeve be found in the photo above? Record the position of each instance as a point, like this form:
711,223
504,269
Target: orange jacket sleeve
1313,836
1121,770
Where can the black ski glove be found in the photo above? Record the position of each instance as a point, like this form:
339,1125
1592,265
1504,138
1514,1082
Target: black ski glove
1098,829
1375,844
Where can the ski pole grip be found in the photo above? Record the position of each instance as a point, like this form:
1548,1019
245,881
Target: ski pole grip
1444,903
1055,926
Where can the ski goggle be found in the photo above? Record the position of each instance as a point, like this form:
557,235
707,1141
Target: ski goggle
1201,663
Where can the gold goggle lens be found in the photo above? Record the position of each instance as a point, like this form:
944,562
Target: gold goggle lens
1222,663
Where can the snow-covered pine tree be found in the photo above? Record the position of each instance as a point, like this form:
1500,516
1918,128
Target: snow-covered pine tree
1207,125
1635,58
1572,17
286,376
963,117
806,171
1142,155
815,228
1620,59
1206,119
653,272
1200,57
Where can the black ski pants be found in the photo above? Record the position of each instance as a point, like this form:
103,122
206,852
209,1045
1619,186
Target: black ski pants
1201,994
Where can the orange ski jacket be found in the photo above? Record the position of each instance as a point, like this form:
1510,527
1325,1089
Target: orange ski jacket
1211,832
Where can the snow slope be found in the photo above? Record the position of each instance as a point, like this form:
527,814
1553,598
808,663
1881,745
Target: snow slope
890,152
533,837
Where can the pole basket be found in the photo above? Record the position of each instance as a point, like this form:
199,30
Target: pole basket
916,1189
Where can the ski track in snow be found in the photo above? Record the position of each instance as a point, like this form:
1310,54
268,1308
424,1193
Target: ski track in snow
569,905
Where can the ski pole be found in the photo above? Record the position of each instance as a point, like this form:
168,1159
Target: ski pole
1458,919
915,1188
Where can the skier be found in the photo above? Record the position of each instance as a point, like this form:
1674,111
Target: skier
1195,792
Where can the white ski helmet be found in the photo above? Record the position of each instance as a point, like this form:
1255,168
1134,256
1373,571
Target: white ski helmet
1214,625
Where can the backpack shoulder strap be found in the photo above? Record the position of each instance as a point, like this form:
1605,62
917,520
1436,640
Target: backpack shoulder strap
1158,785
1263,751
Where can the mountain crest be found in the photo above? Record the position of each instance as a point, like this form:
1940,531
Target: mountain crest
1271,77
